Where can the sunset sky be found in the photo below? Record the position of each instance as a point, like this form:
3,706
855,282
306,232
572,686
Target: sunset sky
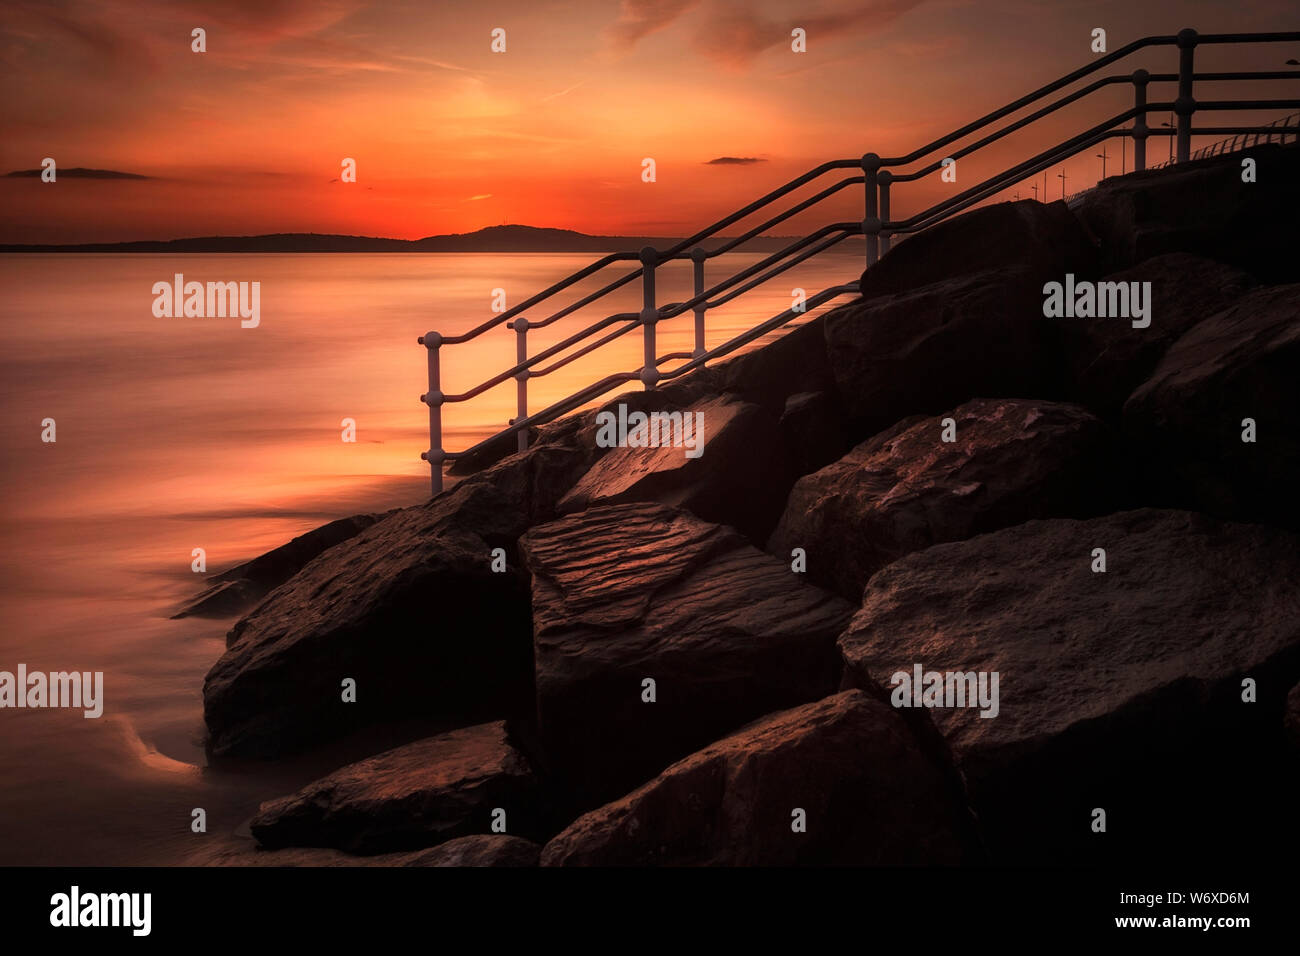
450,137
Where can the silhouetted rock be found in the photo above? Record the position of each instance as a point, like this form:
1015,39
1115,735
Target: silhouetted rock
1109,358
1188,419
1204,208
919,352
242,586
479,849
1117,690
813,431
868,795
735,474
796,362
409,608
1291,716
906,489
637,591
414,796
1042,240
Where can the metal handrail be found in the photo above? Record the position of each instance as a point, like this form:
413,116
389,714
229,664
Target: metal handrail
877,228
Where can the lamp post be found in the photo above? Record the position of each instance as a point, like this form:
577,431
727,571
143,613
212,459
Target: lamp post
1171,139
1102,157
1034,187
1061,176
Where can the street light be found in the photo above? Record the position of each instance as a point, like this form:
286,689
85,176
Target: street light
1171,138
1061,176
1102,157
1034,187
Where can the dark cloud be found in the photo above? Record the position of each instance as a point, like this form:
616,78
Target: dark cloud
735,161
80,172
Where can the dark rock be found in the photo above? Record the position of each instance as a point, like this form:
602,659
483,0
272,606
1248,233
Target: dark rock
243,586
639,591
1118,690
481,849
870,798
796,362
906,489
1291,717
1203,208
1109,358
409,608
923,351
1042,240
414,796
738,475
813,431
1186,421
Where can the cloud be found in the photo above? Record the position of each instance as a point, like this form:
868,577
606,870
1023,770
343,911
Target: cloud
640,18
734,33
735,161
80,172
478,197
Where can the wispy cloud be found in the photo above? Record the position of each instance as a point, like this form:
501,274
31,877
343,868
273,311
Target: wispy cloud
552,96
734,33
640,18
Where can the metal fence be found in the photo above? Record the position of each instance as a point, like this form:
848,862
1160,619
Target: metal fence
877,176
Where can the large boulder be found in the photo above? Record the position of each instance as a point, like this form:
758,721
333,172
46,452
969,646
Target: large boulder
476,850
932,348
409,608
414,796
1120,690
720,458
1043,240
1108,357
243,586
906,489
1188,420
837,782
1204,208
633,592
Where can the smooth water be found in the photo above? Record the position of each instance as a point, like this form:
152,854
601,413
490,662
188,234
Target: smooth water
183,433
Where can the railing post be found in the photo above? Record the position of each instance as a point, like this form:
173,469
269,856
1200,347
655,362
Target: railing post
649,316
1185,106
1140,80
520,325
435,456
871,219
884,179
697,258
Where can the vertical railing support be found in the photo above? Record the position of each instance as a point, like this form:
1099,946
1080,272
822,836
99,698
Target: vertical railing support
435,456
520,325
1140,80
1185,105
649,316
697,258
871,219
884,179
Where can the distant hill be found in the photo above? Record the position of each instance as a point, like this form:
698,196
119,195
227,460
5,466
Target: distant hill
492,239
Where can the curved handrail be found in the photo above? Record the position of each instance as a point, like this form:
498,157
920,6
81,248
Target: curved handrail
877,177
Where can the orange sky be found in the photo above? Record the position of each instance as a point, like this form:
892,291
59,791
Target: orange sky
450,137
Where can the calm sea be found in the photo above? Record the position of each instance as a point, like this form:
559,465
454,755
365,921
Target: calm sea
183,433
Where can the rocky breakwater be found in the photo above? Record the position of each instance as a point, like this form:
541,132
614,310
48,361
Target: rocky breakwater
1030,590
